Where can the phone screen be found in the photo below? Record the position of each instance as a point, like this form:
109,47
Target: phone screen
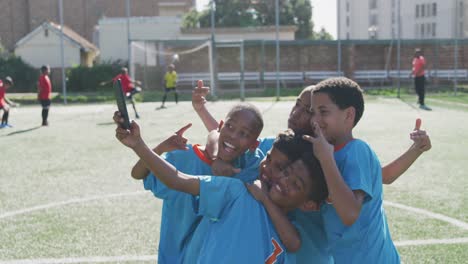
121,104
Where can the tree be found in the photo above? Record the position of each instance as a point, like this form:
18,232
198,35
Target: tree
323,35
251,13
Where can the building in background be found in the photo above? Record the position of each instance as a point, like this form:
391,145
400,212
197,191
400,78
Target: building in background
113,39
20,17
40,47
420,19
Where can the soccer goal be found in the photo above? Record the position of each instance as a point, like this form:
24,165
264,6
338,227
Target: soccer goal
192,61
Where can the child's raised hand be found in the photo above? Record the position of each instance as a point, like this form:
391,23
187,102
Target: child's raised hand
421,139
322,149
199,94
129,137
222,168
258,191
175,141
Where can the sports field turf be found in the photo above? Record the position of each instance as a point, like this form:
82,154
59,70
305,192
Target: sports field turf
66,195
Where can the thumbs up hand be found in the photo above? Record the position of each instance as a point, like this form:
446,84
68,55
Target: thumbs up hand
421,139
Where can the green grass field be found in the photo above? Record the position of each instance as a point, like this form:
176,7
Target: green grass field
66,195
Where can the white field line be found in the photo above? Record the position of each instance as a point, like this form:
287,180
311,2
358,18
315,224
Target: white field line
77,200
113,259
437,216
448,241
155,257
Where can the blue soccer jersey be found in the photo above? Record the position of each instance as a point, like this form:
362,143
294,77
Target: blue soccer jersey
239,229
314,245
265,144
178,218
368,240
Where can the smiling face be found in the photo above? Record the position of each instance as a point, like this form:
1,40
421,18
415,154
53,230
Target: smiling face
270,168
239,133
333,121
299,118
293,188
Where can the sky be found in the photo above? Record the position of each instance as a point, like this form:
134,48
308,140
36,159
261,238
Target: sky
323,14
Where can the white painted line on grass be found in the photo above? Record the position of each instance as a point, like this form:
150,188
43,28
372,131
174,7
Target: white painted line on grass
77,200
437,216
448,241
112,259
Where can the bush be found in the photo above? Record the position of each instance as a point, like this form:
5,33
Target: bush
86,79
24,75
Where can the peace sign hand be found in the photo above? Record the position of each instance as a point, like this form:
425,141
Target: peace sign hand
322,149
199,94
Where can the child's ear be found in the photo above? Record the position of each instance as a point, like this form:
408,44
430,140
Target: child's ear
254,146
309,206
350,113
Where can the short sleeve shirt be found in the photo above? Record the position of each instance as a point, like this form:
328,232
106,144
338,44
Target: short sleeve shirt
171,79
45,87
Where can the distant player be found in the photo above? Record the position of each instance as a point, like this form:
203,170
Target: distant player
4,102
170,84
418,73
44,90
128,86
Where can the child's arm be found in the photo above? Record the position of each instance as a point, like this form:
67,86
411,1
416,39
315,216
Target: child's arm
163,170
175,141
396,168
347,202
198,102
286,230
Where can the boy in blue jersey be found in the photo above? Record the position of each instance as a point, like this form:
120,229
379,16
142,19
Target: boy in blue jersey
240,132
354,217
310,224
239,229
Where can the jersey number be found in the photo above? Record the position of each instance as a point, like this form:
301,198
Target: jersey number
277,250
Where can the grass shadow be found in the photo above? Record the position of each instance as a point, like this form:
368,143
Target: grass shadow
23,131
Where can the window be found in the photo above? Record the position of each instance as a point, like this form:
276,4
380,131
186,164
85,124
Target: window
347,35
433,29
347,6
373,4
428,10
347,21
46,32
422,30
434,9
422,10
461,9
428,29
417,10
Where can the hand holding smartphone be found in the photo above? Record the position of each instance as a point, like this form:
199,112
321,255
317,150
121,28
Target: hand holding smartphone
121,104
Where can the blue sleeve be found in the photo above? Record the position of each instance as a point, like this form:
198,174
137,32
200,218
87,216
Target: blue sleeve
356,170
218,193
250,170
153,184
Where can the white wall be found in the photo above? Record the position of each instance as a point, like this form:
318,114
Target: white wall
113,41
40,50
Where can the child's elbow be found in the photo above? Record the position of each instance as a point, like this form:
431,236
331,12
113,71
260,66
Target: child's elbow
351,219
294,246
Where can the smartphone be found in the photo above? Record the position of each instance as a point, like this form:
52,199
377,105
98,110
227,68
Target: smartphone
121,104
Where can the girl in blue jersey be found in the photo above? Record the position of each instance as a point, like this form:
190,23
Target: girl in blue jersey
239,229
238,134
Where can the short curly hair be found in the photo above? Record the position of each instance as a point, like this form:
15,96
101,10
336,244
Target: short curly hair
344,93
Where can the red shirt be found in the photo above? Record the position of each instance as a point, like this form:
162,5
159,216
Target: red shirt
2,94
45,87
127,85
418,66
